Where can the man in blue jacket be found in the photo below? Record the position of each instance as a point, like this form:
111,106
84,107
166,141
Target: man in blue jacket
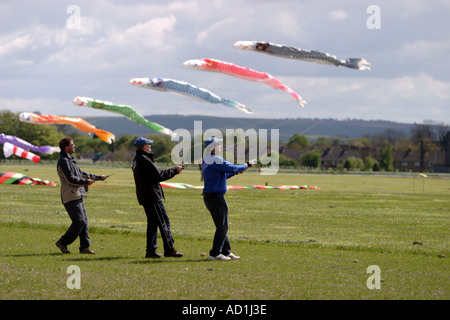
216,171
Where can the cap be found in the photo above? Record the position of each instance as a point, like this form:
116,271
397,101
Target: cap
139,142
212,142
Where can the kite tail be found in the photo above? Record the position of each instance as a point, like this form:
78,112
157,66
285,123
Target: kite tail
274,83
237,105
357,63
158,128
106,136
299,99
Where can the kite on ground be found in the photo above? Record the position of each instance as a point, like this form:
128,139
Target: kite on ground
78,123
10,149
188,186
242,73
19,178
26,145
186,89
302,54
125,110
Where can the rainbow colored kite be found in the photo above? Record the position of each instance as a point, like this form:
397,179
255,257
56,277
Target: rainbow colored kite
286,187
21,179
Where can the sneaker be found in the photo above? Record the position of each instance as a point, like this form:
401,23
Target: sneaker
87,250
220,257
62,247
153,254
172,253
232,256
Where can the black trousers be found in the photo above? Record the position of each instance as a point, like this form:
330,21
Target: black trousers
218,207
157,218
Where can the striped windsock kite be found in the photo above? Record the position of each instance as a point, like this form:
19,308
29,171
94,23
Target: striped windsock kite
10,149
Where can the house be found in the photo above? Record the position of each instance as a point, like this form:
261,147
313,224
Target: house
404,161
411,160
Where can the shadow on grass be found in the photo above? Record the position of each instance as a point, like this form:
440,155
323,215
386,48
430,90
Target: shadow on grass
162,260
72,257
27,255
95,258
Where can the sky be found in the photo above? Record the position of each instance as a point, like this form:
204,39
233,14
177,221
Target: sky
53,51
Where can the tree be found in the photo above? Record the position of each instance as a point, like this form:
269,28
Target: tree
353,163
36,134
370,164
298,141
322,143
386,156
311,159
287,162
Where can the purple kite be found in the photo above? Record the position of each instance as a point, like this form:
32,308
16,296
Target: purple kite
26,145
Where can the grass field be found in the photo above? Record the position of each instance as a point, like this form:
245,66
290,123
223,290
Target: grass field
294,244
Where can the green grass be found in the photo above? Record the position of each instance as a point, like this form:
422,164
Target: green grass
294,244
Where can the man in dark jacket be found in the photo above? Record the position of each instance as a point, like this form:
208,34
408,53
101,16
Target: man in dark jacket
147,177
73,182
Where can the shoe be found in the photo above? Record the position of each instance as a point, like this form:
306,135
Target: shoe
220,257
62,247
153,254
87,250
172,253
232,256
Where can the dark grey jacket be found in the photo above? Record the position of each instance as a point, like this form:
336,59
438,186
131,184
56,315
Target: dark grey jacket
72,178
147,177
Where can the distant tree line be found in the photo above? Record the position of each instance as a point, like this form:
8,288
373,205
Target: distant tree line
423,137
427,136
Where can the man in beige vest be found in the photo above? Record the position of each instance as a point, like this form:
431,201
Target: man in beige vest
73,182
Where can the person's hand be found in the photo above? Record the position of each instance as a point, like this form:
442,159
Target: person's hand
251,163
179,168
90,181
102,177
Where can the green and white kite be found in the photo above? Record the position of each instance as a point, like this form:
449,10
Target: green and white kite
125,110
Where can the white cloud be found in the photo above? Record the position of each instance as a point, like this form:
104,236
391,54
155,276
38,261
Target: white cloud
337,15
209,37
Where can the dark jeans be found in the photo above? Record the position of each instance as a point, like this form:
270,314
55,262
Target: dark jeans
79,226
157,218
218,207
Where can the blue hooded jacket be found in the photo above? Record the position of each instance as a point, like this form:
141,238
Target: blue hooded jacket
216,171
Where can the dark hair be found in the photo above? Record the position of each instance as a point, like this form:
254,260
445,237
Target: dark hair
64,143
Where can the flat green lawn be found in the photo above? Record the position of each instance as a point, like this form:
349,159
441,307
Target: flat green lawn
294,244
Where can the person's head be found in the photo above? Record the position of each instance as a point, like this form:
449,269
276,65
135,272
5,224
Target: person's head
67,145
143,143
213,145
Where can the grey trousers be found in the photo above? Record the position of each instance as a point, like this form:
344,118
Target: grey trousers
79,227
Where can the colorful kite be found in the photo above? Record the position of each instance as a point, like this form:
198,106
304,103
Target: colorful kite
19,178
78,123
242,73
301,54
125,110
10,149
26,145
186,89
188,186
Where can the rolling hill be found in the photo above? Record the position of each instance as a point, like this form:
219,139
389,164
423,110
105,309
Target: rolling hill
311,128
